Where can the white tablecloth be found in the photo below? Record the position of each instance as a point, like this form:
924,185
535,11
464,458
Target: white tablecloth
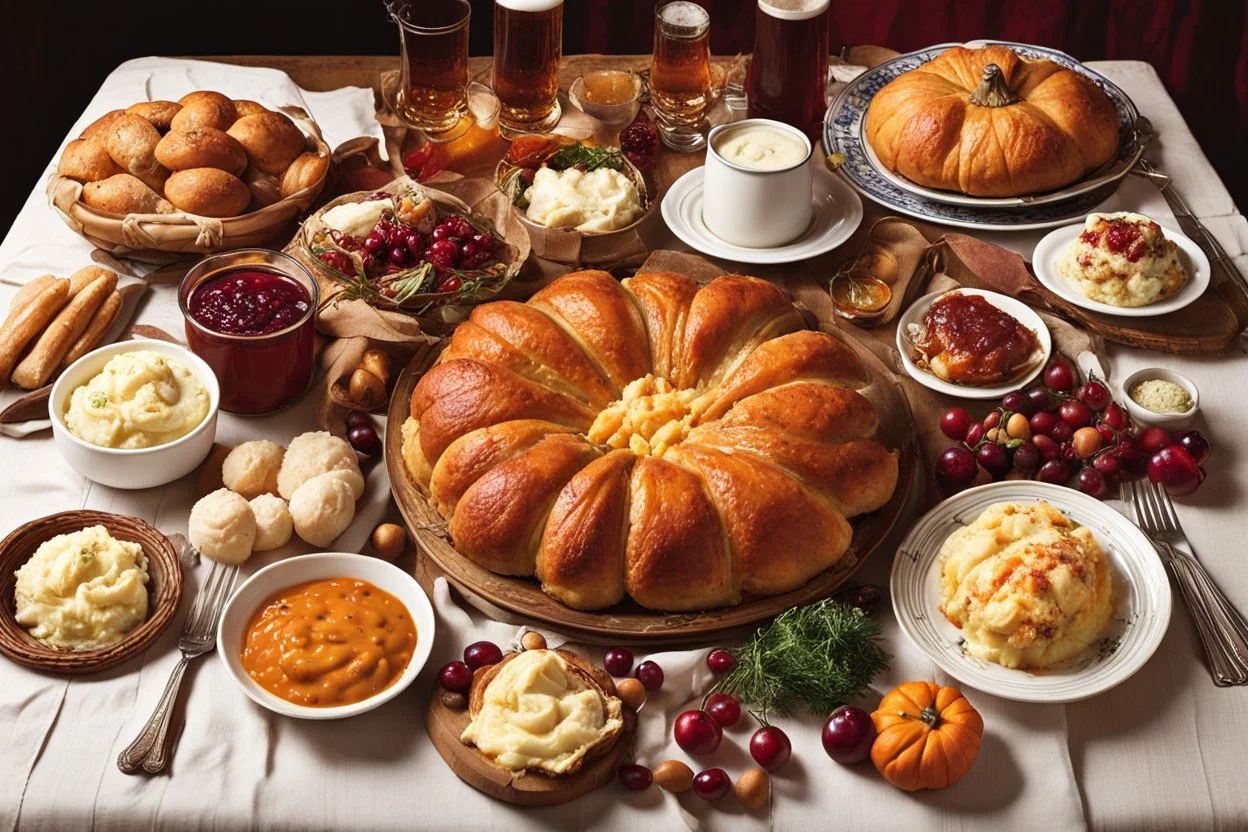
1163,750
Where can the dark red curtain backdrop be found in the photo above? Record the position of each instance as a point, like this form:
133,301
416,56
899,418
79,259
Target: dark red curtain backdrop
1199,48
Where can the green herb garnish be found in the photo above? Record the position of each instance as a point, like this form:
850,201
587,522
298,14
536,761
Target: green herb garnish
821,655
588,157
98,400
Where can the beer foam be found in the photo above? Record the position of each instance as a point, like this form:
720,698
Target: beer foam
684,14
793,9
530,5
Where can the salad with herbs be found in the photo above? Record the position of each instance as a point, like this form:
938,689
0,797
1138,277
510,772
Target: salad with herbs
405,248
529,154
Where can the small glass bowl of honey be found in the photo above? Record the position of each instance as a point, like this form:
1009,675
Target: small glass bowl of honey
860,298
609,95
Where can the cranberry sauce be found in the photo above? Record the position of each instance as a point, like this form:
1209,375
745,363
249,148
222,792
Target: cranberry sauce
255,329
249,302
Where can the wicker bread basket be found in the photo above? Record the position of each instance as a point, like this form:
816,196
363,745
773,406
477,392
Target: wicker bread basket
164,591
128,235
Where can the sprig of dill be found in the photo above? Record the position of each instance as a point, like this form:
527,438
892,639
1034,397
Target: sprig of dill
591,157
821,655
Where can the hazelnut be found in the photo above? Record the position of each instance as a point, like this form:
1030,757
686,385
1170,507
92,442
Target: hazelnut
753,788
366,389
454,701
632,692
533,641
377,362
389,540
673,776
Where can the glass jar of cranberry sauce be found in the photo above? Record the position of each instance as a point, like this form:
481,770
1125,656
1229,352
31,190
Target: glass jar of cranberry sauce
251,314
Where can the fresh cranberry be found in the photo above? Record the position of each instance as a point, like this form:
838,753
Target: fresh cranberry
444,254
450,284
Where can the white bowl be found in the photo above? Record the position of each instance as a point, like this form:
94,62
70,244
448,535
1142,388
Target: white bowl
1169,421
134,467
1023,313
231,632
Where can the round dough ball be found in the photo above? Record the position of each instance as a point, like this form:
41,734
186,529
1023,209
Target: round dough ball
322,508
251,468
207,192
222,527
204,108
273,523
159,113
272,141
312,454
352,477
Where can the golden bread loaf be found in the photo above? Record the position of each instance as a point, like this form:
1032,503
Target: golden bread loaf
132,143
124,194
990,123
208,192
159,113
204,108
686,447
98,129
246,107
272,141
87,160
307,169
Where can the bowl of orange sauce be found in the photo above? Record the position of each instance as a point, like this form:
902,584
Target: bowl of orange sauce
326,636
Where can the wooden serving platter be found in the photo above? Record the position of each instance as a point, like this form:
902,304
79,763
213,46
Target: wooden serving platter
629,620
445,726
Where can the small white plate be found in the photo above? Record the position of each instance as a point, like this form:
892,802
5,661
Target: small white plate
837,214
1023,313
1049,251
1141,596
232,629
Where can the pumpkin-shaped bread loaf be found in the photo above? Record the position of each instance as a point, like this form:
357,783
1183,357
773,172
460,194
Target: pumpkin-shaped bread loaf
987,122
685,447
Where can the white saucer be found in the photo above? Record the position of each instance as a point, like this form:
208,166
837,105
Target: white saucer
837,214
1023,313
1141,597
1049,251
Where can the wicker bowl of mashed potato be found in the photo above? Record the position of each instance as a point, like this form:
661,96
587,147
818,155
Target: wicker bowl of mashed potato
82,591
135,414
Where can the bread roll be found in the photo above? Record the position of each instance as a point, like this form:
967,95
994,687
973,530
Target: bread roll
265,189
321,509
87,160
44,357
310,455
22,327
132,143
251,468
272,141
246,107
273,522
83,278
124,194
98,129
95,330
222,527
204,108
208,192
307,169
201,147
159,113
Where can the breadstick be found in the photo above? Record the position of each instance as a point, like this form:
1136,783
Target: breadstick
30,321
82,278
95,330
25,295
38,365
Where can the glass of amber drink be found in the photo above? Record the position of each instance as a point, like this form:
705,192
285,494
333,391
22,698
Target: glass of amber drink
433,94
528,43
788,75
680,77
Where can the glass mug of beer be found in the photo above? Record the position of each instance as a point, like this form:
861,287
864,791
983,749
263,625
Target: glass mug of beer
788,75
528,43
680,77
433,94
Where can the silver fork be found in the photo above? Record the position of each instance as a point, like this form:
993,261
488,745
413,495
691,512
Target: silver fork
150,750
1222,629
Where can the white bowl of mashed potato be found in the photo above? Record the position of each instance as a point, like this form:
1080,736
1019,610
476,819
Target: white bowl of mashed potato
135,414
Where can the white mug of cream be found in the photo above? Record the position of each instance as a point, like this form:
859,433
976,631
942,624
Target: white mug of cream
756,185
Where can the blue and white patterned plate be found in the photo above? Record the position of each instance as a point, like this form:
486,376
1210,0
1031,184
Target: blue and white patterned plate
843,132
1140,586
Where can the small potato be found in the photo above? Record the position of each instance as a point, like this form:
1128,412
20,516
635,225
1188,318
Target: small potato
631,692
389,540
204,108
366,389
207,192
272,141
87,160
753,788
307,169
201,147
159,113
247,107
673,776
132,143
124,194
98,129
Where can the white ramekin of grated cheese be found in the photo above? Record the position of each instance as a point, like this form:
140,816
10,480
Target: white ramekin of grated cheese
1156,396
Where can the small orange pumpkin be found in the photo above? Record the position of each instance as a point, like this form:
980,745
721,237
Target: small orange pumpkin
927,736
